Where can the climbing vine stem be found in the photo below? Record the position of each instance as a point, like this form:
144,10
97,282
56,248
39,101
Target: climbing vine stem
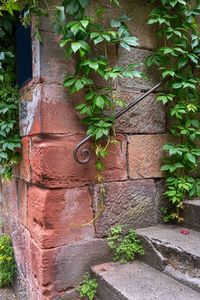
179,60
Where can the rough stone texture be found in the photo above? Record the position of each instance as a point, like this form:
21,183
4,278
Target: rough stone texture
58,217
138,281
132,203
53,164
21,286
137,56
191,214
21,242
7,294
138,11
148,116
47,108
174,253
71,294
161,199
22,170
14,195
9,207
61,269
145,153
53,64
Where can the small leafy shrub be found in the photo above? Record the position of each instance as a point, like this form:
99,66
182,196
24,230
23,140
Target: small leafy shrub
7,261
10,141
88,287
126,246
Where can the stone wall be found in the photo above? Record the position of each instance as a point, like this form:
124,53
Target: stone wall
52,196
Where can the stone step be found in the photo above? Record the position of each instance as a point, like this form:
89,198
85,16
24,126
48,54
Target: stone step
173,253
138,281
191,214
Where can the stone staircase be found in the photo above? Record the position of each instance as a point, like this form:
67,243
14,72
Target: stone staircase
170,268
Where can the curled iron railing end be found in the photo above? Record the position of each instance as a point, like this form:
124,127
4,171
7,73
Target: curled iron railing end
82,155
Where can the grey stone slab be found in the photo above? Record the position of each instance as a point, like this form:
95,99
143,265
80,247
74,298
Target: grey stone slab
171,235
172,252
138,281
191,214
131,203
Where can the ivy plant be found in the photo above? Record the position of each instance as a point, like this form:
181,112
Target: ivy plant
178,60
10,141
81,35
9,98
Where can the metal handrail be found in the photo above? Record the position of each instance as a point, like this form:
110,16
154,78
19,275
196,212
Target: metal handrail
85,152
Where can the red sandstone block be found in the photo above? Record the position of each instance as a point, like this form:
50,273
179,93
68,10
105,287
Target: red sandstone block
145,153
53,165
58,217
47,108
22,170
59,269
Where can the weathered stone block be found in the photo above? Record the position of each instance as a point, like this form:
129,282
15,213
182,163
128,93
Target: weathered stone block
130,203
47,108
148,116
145,153
59,217
138,56
21,286
14,203
62,268
9,199
22,201
22,170
21,244
70,294
191,214
53,165
161,200
138,11
53,64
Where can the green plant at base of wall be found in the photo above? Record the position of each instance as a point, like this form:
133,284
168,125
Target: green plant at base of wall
7,261
179,61
125,246
88,287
